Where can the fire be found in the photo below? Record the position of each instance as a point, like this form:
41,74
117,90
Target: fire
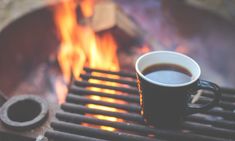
87,7
80,46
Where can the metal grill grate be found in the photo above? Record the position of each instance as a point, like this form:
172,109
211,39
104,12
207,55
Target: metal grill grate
218,124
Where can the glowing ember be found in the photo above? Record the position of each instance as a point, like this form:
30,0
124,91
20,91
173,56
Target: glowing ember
145,49
80,47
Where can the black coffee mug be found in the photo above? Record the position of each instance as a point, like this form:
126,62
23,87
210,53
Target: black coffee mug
165,105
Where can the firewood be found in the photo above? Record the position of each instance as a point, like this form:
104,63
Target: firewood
108,16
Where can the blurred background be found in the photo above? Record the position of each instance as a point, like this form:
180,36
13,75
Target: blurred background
202,29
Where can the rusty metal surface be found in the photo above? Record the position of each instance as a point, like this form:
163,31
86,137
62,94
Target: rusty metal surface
10,134
24,112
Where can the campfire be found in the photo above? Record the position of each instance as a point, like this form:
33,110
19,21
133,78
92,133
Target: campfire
75,60
82,46
85,37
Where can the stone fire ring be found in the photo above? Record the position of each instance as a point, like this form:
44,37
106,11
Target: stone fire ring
24,112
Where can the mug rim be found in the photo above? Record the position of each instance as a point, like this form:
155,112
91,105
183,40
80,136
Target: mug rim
163,84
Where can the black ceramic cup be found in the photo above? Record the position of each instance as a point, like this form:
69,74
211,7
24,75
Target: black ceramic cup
165,105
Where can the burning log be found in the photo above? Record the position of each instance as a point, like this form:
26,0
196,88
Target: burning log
110,17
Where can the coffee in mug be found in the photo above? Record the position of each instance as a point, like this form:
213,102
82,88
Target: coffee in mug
166,80
168,73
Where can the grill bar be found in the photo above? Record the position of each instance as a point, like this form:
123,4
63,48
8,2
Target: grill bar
75,118
98,133
224,97
223,113
135,108
132,98
83,100
223,104
121,73
217,124
83,109
229,115
121,81
208,130
62,136
82,91
136,117
122,89
228,90
212,121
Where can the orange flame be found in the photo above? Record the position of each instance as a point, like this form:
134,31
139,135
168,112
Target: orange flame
87,7
80,47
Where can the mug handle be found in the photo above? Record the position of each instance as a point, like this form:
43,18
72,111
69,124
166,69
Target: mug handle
205,85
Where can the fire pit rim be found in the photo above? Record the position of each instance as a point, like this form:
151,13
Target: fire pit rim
36,121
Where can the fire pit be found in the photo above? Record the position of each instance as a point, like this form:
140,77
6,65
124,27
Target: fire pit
41,59
47,50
